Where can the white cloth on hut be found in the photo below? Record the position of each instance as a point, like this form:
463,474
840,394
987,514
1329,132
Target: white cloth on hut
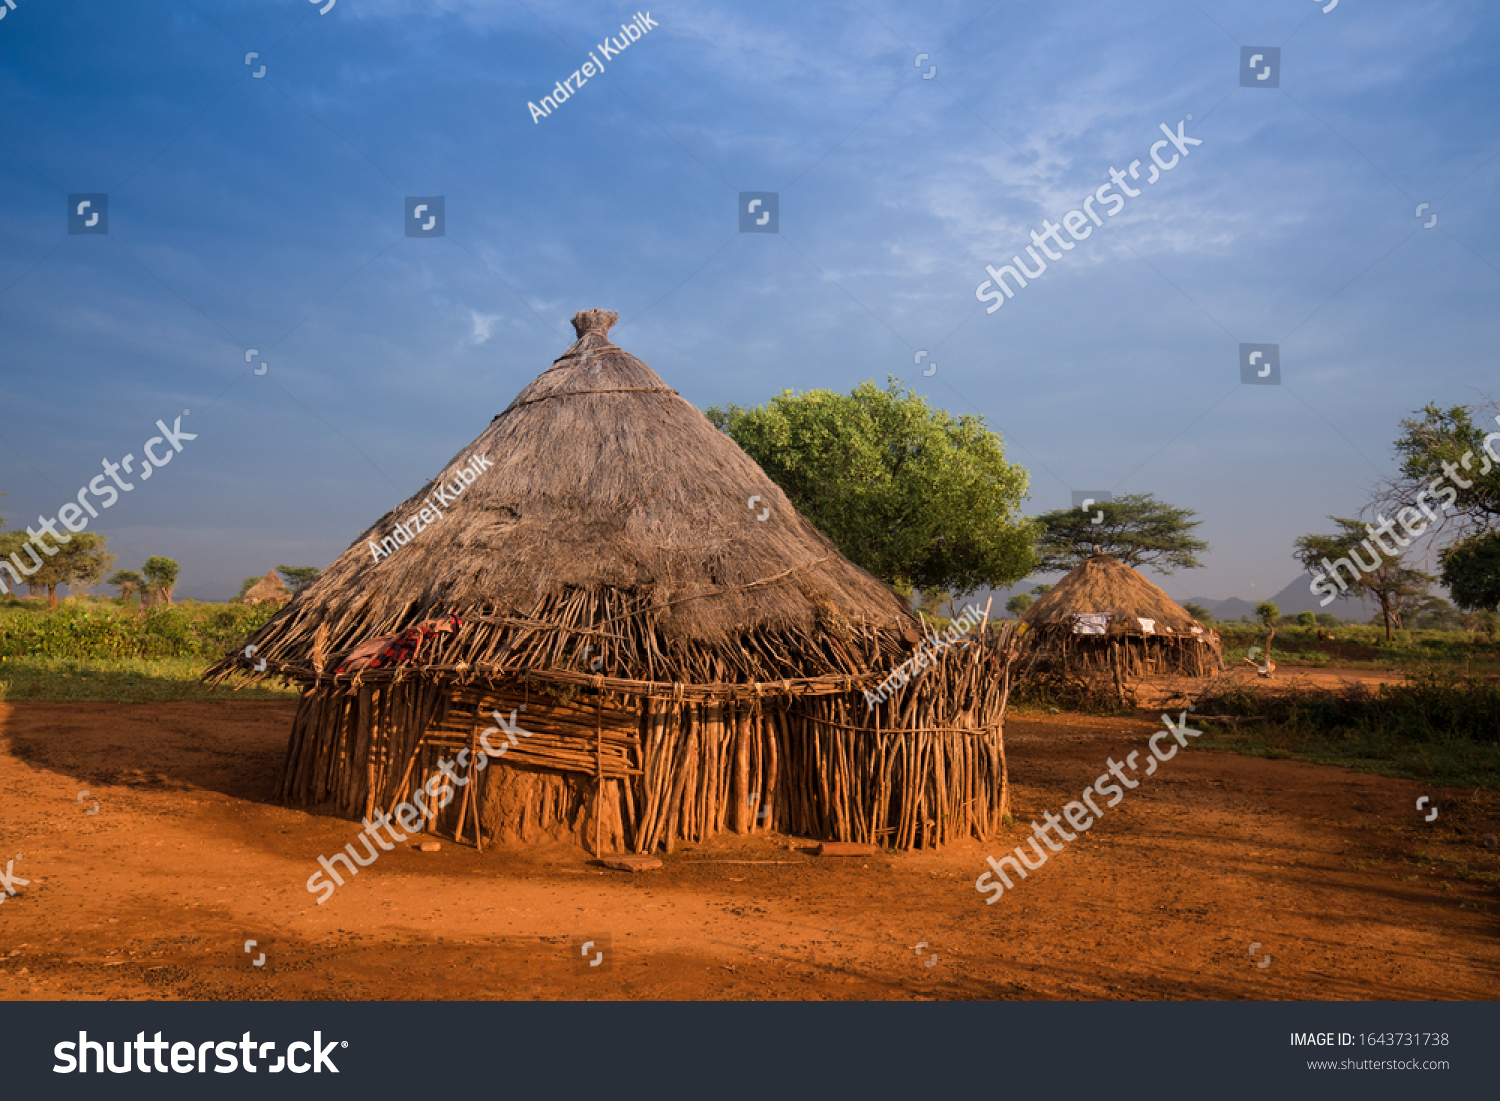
1147,625
1090,623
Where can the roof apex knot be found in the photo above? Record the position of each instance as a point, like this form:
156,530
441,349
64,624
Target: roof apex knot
594,321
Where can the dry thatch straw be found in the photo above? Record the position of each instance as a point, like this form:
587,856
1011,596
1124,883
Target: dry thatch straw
1178,643
610,570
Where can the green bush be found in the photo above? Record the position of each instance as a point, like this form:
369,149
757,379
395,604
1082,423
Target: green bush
1429,707
1436,728
81,630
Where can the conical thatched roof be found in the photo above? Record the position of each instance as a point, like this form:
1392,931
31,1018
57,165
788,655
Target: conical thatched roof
603,510
268,588
1104,585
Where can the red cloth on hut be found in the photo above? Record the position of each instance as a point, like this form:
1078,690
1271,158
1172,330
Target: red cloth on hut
398,648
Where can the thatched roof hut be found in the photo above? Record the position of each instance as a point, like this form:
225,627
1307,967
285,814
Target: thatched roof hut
676,647
1105,619
268,589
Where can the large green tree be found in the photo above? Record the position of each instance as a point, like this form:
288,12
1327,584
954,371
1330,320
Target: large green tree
1448,471
1135,529
917,496
1394,587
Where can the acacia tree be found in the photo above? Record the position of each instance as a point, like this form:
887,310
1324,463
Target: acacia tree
128,582
1021,602
298,578
161,574
915,495
1393,586
1486,623
1433,613
930,602
80,562
1135,529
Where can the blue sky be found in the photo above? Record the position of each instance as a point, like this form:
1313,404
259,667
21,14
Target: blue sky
268,213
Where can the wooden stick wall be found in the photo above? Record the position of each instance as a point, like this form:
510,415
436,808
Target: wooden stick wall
926,766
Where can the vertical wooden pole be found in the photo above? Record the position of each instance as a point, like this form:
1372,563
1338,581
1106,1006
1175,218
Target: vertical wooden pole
768,777
741,770
474,779
598,769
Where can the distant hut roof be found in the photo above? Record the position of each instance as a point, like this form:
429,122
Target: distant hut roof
603,509
1113,640
268,588
1102,585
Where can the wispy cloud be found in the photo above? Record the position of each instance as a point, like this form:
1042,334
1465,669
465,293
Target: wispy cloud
484,326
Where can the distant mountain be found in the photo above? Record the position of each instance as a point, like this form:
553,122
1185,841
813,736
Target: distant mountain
1296,597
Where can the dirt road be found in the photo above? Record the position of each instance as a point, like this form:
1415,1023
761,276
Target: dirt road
1336,875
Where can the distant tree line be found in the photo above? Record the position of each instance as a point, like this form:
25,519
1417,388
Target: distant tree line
83,560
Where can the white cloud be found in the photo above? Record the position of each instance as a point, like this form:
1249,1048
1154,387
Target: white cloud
484,326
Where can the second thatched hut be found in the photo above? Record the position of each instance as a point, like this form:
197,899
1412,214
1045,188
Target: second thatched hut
268,590
1104,622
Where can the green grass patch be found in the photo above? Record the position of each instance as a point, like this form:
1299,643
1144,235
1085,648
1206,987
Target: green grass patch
1363,646
1453,765
119,680
1439,729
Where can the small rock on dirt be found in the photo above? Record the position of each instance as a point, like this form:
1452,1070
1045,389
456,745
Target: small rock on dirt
631,862
430,846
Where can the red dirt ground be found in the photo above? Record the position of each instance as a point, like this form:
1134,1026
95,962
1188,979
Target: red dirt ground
1334,873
